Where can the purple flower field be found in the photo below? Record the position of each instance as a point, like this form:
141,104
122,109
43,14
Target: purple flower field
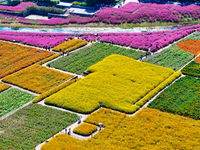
17,8
143,41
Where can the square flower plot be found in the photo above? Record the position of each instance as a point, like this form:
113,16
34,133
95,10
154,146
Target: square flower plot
117,82
37,78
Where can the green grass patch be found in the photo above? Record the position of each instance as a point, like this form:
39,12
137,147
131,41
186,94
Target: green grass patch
79,61
12,99
180,98
172,57
32,125
192,69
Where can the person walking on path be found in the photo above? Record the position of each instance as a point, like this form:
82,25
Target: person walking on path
140,57
65,131
69,133
67,53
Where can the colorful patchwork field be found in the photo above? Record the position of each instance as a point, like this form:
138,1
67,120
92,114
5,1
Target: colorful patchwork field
3,87
172,57
70,45
85,129
15,57
12,99
79,61
37,78
192,69
118,82
181,98
32,125
148,129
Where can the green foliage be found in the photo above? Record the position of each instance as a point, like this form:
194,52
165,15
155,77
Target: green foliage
192,69
32,125
181,98
54,2
13,99
79,3
44,9
79,61
172,57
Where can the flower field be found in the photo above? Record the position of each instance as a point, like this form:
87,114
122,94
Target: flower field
192,46
15,57
85,129
37,78
114,84
35,39
32,125
148,129
70,45
3,87
197,59
172,57
12,99
192,69
17,8
79,61
181,98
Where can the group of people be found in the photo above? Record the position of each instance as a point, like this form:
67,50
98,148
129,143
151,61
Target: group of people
146,55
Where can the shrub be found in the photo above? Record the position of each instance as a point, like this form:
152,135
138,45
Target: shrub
79,3
85,129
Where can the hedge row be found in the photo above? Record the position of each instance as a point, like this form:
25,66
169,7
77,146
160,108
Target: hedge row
151,94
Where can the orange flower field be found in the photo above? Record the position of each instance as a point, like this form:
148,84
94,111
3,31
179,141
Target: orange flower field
3,87
148,129
37,78
85,129
14,57
192,46
197,59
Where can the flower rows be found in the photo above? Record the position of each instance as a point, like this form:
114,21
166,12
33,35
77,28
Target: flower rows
85,129
70,45
15,57
3,87
17,8
114,84
192,46
180,98
36,39
192,69
144,41
37,78
149,129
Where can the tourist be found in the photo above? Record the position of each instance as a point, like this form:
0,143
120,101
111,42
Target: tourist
140,57
49,48
79,119
67,53
146,54
41,62
65,131
69,133
150,52
38,50
100,126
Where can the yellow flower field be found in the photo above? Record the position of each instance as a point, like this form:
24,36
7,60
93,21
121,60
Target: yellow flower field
85,129
149,129
14,57
70,45
3,87
118,82
37,78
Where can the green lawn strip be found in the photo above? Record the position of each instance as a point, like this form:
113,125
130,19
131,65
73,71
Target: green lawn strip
12,99
172,57
180,98
32,125
192,69
79,61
